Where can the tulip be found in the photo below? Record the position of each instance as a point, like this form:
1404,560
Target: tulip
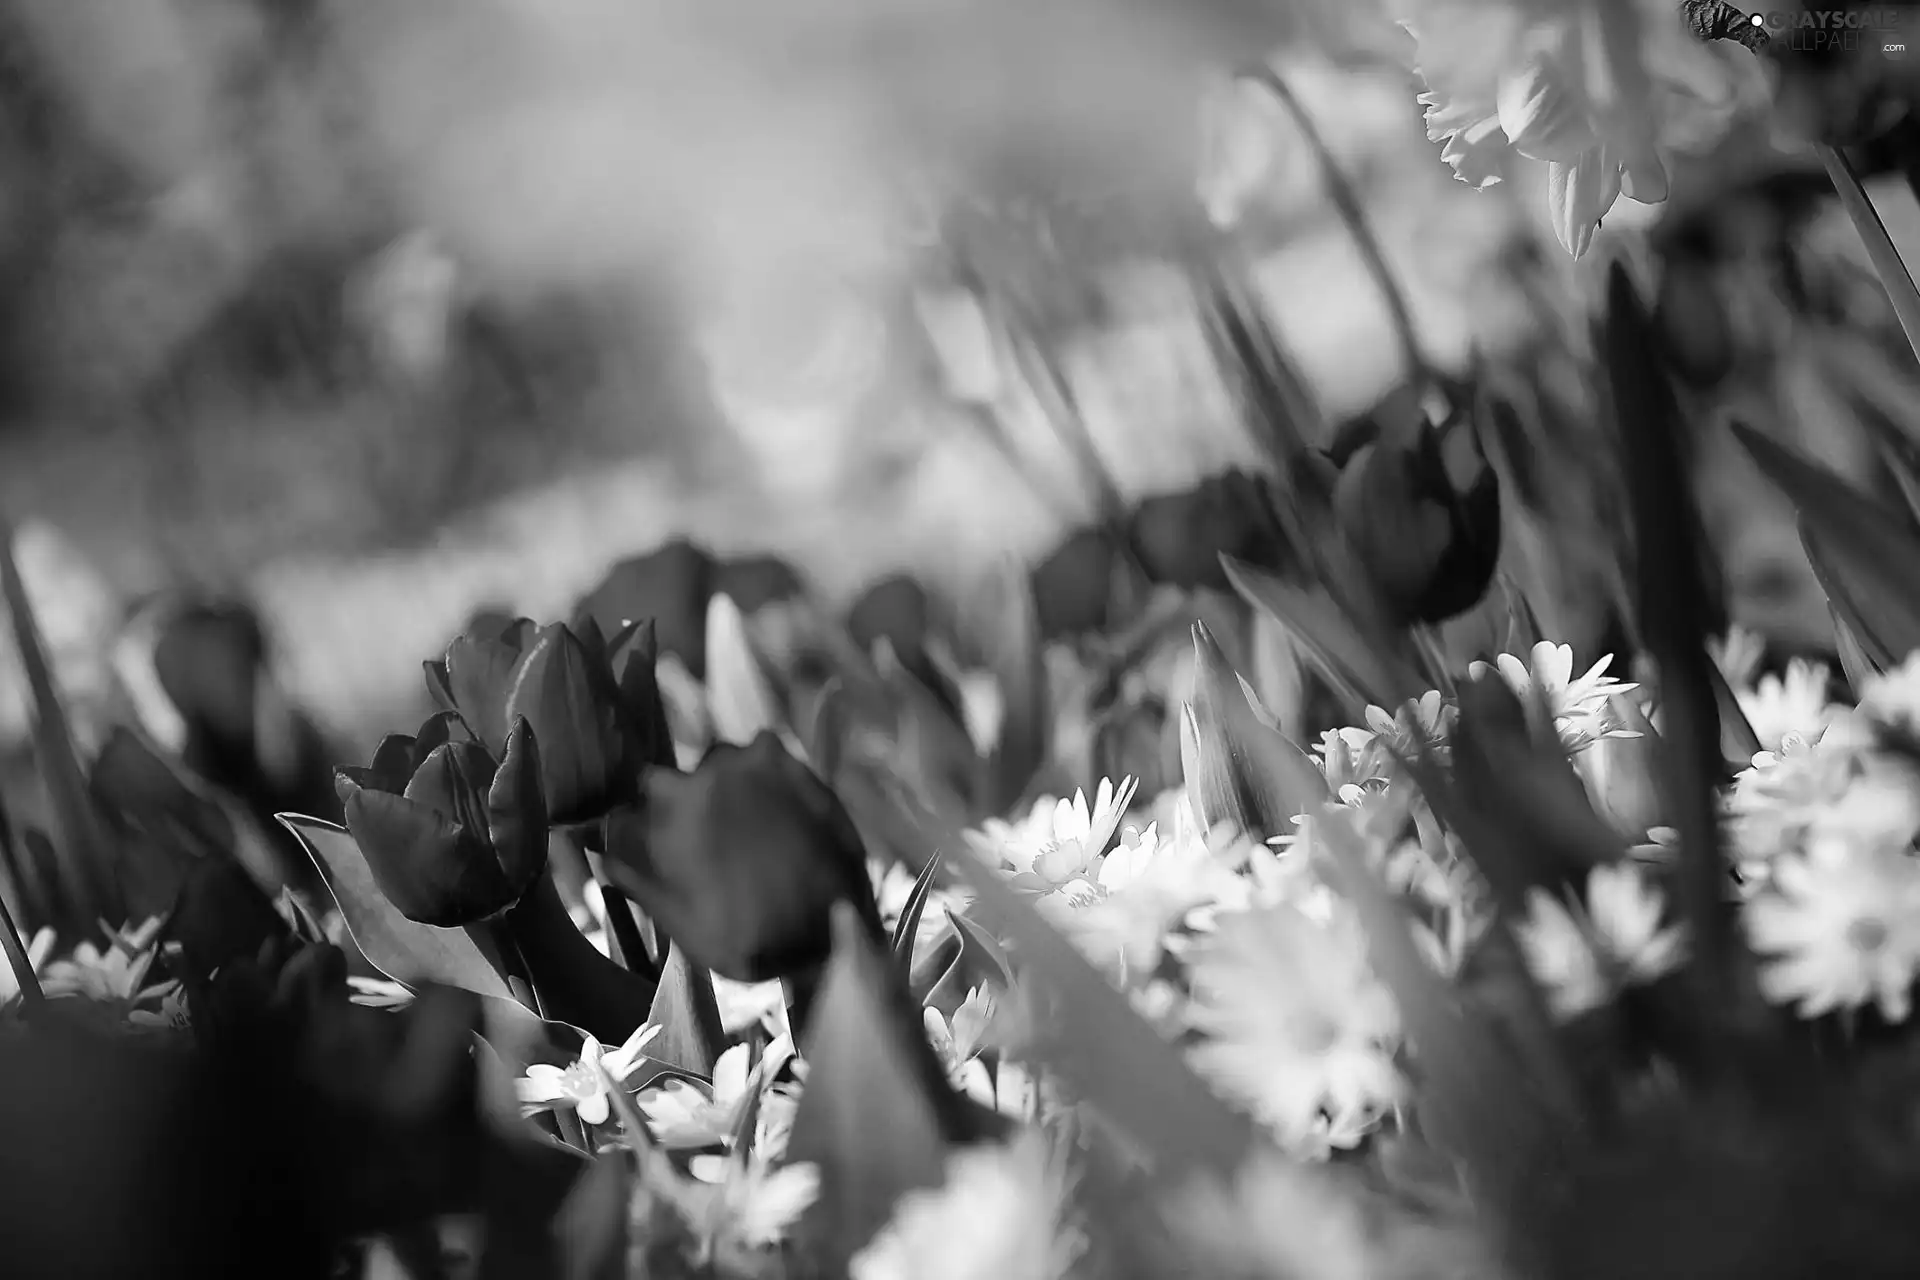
897,610
755,582
1420,507
671,585
450,837
598,723
742,860
1622,774
1073,587
1180,537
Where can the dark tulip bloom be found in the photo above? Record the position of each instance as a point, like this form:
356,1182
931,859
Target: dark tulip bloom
670,585
754,582
742,860
1073,587
594,708
1180,537
898,610
1420,507
460,838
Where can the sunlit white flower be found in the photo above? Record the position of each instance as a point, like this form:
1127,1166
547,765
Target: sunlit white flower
958,1040
1615,936
1058,842
1297,1024
1893,698
1796,702
115,975
172,1014
744,1205
998,1216
1841,928
1277,1218
1560,956
583,1084
1426,722
682,1116
1579,85
1578,705
1809,792
38,949
748,1004
1738,655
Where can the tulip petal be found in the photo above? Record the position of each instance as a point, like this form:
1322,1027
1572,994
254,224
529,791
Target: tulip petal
517,811
432,871
480,674
580,751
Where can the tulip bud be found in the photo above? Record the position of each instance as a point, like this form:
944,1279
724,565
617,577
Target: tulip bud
1420,507
462,840
671,585
1182,536
898,611
742,860
1073,587
596,730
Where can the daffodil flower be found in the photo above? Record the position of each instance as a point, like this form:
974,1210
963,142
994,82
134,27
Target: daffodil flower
583,1084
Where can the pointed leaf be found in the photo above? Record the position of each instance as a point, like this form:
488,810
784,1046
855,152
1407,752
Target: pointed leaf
1671,554
907,928
1858,668
82,864
1869,560
933,753
1239,769
1361,672
1887,263
871,1118
398,947
688,1015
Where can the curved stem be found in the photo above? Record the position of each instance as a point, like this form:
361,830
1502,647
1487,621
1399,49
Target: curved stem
1347,204
16,950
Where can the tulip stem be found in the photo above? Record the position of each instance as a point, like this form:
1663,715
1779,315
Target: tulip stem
1347,204
626,932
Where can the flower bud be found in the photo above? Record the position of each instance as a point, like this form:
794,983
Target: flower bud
462,839
1073,587
742,860
1420,507
1181,536
671,585
596,729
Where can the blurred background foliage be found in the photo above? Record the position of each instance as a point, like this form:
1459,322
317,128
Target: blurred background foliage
380,314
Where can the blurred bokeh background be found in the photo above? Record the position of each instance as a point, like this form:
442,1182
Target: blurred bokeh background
378,314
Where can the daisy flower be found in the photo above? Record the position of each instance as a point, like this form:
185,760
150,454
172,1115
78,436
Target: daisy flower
745,1205
38,949
1352,757
998,1216
1058,842
684,1117
1578,705
115,975
749,1004
1297,1025
1425,722
1616,936
583,1084
1277,1218
172,1014
1795,702
1841,929
1893,698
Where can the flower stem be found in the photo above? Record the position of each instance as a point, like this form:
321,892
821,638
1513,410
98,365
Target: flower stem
1347,204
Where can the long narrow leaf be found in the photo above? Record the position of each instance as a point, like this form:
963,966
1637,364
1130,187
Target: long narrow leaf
1670,555
907,928
1868,558
82,867
1363,671
1886,259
